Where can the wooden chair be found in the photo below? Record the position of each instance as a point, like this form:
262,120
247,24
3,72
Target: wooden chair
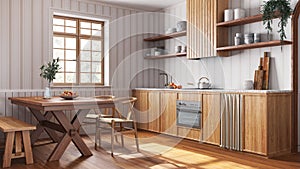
90,118
119,125
17,133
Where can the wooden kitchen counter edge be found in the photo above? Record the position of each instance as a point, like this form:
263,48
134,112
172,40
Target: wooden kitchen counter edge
243,92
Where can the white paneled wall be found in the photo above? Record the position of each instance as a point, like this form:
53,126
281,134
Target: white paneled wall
230,72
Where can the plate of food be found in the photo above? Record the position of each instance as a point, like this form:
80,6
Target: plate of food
69,95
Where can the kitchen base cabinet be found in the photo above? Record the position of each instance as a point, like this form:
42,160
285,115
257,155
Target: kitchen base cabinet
267,124
189,133
168,116
154,111
141,107
211,132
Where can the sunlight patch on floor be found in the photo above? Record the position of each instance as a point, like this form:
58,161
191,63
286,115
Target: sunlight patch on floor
184,156
154,148
164,166
225,164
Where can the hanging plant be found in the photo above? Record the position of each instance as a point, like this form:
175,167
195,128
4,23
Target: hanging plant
277,9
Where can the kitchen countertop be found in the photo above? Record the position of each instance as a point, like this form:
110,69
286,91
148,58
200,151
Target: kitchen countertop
216,90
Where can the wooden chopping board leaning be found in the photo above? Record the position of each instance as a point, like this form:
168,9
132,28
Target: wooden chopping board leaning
261,76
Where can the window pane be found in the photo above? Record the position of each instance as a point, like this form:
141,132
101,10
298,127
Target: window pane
70,54
70,43
57,21
85,25
70,77
85,67
70,66
61,65
96,78
58,53
85,56
71,23
96,26
85,78
96,45
85,31
58,29
58,42
85,44
70,30
96,67
96,33
96,56
59,78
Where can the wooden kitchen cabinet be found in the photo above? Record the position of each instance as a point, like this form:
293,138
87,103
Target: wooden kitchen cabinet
267,124
211,118
187,132
154,111
168,116
141,108
203,36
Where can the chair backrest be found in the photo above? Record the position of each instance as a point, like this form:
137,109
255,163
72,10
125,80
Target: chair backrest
126,102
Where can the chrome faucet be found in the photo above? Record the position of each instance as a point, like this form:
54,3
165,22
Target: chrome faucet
166,78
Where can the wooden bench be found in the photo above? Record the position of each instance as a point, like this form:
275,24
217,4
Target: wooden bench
16,132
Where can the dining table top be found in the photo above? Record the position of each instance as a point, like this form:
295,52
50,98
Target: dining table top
57,103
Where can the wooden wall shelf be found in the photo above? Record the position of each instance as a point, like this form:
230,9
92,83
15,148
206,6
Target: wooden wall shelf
166,36
254,45
166,56
242,21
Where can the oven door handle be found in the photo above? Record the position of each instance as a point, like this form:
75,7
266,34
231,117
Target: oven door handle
188,110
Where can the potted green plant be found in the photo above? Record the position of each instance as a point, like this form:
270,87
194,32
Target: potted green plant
48,72
276,9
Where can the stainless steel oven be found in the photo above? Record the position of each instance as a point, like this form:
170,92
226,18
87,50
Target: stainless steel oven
188,113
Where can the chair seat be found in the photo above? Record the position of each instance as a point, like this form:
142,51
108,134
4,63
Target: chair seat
92,116
117,120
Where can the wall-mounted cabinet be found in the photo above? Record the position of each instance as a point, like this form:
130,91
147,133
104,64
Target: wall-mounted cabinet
203,36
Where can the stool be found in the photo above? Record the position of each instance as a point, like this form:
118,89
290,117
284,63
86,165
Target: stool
17,132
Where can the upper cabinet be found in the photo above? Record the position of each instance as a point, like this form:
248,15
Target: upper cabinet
203,35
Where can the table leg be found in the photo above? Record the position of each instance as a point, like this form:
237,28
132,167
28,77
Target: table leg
39,128
71,134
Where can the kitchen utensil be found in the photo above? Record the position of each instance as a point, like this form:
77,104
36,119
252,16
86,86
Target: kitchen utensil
248,84
183,49
266,68
256,37
228,15
239,13
249,38
259,76
181,26
177,49
171,30
204,84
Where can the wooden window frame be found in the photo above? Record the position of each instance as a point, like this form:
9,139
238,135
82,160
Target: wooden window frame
78,37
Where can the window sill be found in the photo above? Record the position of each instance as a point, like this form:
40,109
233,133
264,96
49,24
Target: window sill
83,86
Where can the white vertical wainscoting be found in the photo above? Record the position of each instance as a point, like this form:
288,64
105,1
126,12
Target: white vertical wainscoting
230,72
26,40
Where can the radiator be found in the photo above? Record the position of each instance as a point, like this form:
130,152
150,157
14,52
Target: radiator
231,137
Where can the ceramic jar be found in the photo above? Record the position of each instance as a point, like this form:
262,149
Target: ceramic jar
228,15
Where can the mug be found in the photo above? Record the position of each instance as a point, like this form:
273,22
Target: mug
177,49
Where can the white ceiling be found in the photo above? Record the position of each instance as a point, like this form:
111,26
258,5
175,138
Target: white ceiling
147,5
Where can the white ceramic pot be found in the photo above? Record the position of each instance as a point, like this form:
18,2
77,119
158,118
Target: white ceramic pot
228,15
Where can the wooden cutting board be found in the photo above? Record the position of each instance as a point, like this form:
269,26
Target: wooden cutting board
266,68
259,76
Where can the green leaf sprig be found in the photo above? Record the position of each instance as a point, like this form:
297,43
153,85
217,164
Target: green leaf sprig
49,70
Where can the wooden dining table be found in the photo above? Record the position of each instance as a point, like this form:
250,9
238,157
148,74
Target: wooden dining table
45,110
